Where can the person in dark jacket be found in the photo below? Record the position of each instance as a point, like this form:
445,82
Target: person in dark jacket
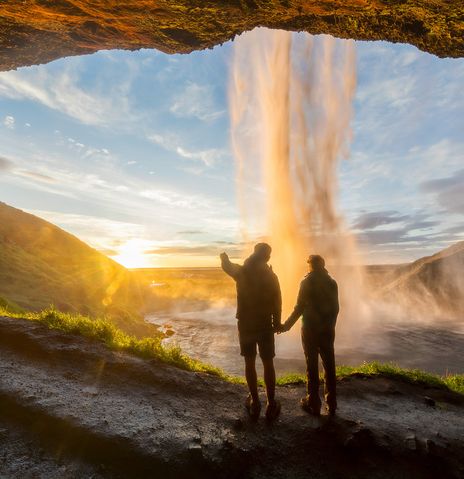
259,310
318,304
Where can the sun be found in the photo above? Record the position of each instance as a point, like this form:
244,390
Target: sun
132,254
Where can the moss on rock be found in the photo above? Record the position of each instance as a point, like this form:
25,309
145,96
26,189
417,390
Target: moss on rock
35,31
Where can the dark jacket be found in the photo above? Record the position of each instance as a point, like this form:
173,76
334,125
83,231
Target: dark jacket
317,301
259,301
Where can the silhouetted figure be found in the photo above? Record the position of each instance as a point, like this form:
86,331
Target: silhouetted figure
318,303
259,310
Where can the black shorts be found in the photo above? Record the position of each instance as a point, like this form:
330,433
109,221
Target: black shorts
264,340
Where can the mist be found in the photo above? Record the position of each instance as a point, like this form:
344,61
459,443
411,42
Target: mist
291,107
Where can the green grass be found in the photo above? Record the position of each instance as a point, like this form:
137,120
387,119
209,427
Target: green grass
10,306
454,382
152,348
106,332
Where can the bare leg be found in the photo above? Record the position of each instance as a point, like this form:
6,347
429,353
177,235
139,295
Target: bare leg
269,379
251,376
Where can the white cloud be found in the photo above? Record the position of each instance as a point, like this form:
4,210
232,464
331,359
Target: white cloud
95,152
102,155
12,168
168,141
196,101
423,163
34,175
180,200
207,157
159,206
60,91
396,92
9,122
99,232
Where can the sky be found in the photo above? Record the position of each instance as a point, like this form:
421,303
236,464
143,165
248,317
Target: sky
130,151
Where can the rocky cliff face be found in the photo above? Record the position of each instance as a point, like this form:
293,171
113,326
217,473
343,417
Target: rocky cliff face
39,31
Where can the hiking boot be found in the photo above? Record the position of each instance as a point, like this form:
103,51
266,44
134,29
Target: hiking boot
273,410
331,411
305,405
253,407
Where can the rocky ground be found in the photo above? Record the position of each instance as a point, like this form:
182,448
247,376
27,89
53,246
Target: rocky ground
69,407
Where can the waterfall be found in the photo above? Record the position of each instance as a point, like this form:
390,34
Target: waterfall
291,101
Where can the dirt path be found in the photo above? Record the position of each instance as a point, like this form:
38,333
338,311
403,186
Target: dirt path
69,407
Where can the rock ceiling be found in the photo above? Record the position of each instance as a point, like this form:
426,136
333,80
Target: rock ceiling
39,31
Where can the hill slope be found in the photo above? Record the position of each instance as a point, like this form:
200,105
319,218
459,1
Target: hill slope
435,282
40,264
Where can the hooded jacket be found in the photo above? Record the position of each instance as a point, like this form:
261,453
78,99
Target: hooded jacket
317,301
259,301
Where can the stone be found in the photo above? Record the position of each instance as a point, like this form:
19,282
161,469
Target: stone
410,442
238,424
430,447
228,444
429,401
38,31
360,439
195,452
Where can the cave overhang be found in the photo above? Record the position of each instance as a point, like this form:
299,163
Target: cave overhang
39,31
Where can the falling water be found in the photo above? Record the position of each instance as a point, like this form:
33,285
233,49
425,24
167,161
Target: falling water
291,104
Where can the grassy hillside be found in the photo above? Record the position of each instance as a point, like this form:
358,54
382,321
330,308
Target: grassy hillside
433,283
40,264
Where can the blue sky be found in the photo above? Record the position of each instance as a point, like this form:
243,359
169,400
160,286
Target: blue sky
130,152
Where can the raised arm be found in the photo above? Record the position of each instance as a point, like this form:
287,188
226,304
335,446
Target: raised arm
228,267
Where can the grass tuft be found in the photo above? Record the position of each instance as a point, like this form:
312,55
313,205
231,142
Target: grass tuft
10,306
104,331
373,369
152,348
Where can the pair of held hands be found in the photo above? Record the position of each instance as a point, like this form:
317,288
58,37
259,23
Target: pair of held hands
282,328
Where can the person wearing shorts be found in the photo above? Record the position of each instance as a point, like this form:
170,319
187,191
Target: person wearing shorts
259,310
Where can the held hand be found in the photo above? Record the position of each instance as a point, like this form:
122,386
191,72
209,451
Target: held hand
280,329
284,328
224,256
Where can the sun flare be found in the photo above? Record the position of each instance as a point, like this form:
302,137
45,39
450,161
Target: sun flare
132,254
